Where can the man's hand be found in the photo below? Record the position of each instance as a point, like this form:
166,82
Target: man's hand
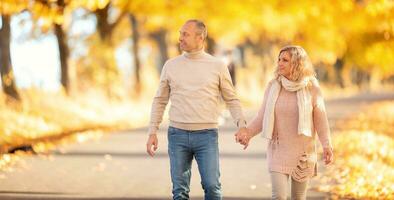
152,141
328,155
243,137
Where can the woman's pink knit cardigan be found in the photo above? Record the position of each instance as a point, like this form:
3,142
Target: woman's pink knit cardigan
286,146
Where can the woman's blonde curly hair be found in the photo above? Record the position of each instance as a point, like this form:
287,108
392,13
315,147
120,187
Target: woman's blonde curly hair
301,66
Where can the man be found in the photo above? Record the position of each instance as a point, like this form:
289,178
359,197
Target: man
194,82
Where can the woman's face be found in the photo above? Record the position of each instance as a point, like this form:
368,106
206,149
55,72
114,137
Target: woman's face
284,65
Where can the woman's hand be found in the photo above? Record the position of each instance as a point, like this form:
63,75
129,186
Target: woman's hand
328,155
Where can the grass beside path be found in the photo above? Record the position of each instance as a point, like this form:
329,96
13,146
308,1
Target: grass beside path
364,156
43,119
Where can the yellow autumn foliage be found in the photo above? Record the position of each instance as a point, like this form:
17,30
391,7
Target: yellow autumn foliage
364,156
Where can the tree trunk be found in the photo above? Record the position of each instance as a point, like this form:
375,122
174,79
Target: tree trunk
339,64
375,80
211,44
63,52
347,76
160,38
103,27
343,72
137,65
7,76
241,48
361,78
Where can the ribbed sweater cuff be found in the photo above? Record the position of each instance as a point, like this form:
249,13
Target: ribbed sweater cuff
241,123
153,130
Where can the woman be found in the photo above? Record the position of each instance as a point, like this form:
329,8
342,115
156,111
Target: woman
291,116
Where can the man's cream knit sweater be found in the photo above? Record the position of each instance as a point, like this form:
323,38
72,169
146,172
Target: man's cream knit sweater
194,83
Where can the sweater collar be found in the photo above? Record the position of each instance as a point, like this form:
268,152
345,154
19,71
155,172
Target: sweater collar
195,54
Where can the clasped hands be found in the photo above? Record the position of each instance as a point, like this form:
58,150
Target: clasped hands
243,137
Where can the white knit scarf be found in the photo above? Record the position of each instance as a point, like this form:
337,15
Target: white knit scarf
304,103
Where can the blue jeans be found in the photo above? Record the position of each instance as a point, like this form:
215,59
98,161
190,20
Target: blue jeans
183,145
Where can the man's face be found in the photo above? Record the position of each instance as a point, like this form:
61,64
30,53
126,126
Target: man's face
189,39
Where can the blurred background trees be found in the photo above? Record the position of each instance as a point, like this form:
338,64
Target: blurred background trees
351,42
70,66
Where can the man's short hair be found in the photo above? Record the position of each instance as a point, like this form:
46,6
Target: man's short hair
202,29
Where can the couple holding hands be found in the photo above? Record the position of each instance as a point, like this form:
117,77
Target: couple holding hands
291,116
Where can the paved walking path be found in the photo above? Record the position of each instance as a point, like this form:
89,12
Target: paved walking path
117,167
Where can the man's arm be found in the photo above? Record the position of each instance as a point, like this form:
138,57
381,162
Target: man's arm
230,97
159,104
233,104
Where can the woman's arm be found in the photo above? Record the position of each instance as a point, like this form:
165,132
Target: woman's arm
256,125
320,122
